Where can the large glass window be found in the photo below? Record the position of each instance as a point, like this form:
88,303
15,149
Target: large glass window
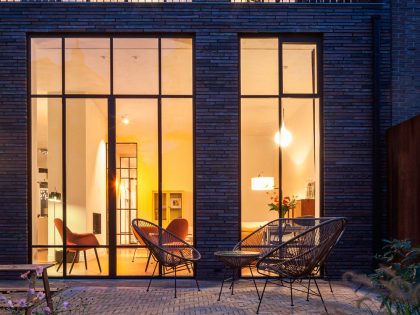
279,130
135,102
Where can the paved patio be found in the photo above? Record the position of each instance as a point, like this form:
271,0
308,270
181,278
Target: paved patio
130,297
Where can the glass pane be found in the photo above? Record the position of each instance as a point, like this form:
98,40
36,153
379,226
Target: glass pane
86,263
177,162
135,261
46,66
299,68
87,65
137,140
300,159
177,66
259,162
86,138
177,167
47,180
46,256
259,66
136,66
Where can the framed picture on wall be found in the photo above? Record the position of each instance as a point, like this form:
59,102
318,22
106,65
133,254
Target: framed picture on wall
175,201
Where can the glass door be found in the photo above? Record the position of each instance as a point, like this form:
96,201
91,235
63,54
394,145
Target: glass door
137,172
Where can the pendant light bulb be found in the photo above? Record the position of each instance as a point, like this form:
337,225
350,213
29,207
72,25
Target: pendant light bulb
283,137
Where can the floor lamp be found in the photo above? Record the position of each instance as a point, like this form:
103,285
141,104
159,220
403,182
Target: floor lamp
54,197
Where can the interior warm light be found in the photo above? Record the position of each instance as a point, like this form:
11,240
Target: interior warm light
125,120
262,183
283,137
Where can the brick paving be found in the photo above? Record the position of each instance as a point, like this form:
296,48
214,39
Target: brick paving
130,297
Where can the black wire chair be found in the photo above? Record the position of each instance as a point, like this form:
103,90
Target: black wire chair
172,252
272,234
300,257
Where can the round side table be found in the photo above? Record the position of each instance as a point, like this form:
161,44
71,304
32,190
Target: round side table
236,260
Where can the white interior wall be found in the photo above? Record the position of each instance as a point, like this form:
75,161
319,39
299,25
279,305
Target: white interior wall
96,138
76,165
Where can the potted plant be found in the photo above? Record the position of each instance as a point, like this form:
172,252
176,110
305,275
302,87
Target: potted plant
287,204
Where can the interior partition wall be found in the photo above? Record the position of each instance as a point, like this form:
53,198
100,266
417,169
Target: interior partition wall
111,139
280,101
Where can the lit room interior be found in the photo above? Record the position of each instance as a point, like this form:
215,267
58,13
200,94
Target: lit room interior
152,85
87,86
279,130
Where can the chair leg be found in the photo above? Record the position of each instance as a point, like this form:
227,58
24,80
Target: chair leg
175,280
328,279
148,260
309,285
72,263
150,282
196,283
253,279
221,287
134,256
84,255
320,295
97,259
329,283
291,293
262,295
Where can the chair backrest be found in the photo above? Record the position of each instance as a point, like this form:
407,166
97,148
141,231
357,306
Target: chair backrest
299,256
71,239
272,234
167,248
178,227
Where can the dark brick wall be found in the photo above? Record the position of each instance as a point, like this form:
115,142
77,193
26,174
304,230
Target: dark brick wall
347,108
405,60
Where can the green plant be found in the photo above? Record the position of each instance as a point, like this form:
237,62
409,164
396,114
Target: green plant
397,280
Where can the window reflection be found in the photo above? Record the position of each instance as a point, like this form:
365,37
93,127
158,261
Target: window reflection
137,92
46,66
299,68
177,66
87,65
136,66
271,167
259,66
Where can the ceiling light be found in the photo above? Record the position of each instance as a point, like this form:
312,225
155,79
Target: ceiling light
125,120
283,137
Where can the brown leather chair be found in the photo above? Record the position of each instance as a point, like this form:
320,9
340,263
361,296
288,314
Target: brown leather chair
74,239
178,227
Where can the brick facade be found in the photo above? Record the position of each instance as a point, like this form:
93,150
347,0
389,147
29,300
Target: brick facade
405,60
347,108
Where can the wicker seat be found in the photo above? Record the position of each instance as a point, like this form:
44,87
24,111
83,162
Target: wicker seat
300,256
172,253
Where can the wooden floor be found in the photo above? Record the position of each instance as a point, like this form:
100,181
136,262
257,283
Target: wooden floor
125,265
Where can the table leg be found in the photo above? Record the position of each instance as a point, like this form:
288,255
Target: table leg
47,289
233,281
221,287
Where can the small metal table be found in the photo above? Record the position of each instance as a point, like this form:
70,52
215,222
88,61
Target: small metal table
236,260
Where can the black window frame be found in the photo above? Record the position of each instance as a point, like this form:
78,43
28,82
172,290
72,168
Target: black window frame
111,99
